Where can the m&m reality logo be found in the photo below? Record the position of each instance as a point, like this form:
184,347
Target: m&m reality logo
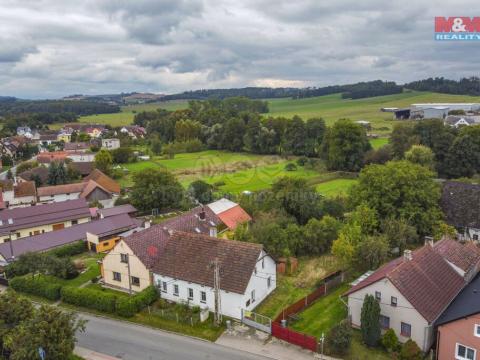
457,28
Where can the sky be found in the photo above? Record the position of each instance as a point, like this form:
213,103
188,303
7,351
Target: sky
52,48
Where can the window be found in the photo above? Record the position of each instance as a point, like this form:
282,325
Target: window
247,304
475,237
463,352
406,329
30,233
253,296
74,222
117,276
393,301
263,263
124,258
203,296
190,294
135,281
164,286
175,290
384,322
378,296
476,330
18,235
269,281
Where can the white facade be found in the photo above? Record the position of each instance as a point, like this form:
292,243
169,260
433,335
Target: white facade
403,312
59,197
81,157
450,106
110,144
262,282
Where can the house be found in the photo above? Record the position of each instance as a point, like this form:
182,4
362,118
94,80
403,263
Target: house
41,172
77,146
47,138
33,220
83,168
460,203
117,210
110,144
182,266
101,234
94,131
90,191
134,131
47,157
65,137
25,131
414,290
12,146
24,194
458,121
104,180
81,156
458,329
230,213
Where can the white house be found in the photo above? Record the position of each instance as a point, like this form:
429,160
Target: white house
78,156
110,144
414,290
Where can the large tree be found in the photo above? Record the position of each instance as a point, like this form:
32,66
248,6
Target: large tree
103,161
370,321
295,137
156,189
400,189
345,146
421,155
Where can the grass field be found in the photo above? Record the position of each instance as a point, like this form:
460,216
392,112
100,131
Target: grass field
378,143
335,187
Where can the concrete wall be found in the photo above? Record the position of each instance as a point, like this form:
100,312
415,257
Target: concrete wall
232,303
403,312
58,197
461,332
112,263
40,229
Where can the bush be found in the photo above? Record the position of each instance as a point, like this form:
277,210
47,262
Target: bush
410,351
89,298
63,268
128,307
339,338
389,341
302,161
37,286
290,167
75,248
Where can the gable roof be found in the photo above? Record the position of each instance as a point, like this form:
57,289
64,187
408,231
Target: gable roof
61,189
427,281
465,256
48,157
104,180
83,168
234,217
461,204
465,304
21,218
116,210
72,146
221,205
189,257
90,186
25,188
40,171
49,240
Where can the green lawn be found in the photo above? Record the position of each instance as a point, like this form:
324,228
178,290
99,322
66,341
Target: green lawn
323,314
335,187
379,142
102,289
359,351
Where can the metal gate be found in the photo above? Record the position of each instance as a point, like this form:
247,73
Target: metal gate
257,321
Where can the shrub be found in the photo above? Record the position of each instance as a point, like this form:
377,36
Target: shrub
75,248
410,351
63,268
290,167
302,161
89,298
370,320
339,338
389,341
37,286
128,307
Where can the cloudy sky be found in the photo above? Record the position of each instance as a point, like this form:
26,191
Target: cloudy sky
52,48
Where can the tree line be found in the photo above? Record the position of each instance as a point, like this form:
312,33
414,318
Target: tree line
464,86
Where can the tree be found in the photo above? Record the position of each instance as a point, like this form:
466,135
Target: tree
463,159
103,161
201,191
443,229
410,351
315,132
400,189
156,146
26,165
380,155
36,179
348,239
57,174
370,321
319,235
339,338
233,132
370,253
402,138
51,328
9,174
399,233
345,146
122,155
295,137
390,341
421,155
156,189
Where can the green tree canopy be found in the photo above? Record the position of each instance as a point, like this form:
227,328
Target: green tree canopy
103,161
421,155
370,321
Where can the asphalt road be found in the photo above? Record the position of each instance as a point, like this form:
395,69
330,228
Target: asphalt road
131,342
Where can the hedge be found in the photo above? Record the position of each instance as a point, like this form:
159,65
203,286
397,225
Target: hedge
89,298
72,249
129,306
36,286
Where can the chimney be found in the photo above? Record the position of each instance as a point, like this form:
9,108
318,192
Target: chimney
202,215
407,255
147,224
429,240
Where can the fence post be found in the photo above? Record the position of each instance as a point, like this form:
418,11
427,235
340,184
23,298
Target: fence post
191,320
176,316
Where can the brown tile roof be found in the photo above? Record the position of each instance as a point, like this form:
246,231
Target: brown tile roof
26,188
189,257
104,180
48,157
61,189
6,185
427,281
41,171
461,204
466,257
91,186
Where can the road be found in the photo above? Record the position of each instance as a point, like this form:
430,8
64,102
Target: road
3,175
132,342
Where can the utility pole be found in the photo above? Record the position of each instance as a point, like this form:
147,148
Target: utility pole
216,285
129,277
322,339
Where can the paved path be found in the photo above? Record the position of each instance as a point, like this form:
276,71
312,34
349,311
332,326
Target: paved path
127,341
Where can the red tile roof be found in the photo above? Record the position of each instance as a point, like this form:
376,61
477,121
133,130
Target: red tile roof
103,180
25,188
466,257
189,257
61,189
427,281
48,157
234,217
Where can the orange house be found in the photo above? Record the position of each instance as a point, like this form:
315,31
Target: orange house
458,329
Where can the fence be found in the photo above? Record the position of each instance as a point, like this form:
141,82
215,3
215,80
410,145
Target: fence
189,319
294,337
257,321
